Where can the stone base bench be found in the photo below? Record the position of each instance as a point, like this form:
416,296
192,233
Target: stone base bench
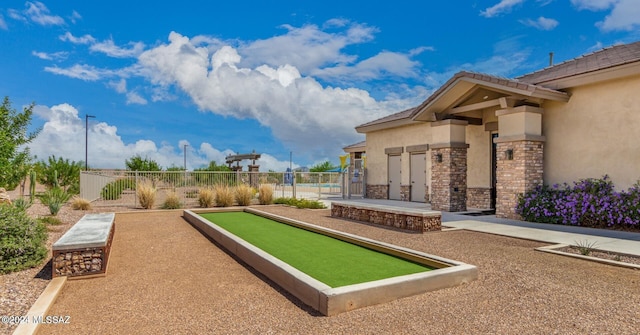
84,249
413,219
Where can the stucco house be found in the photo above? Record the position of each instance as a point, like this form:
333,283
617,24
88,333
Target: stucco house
480,140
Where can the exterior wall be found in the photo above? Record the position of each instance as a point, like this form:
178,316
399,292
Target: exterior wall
594,134
449,179
517,175
377,191
479,197
478,157
377,141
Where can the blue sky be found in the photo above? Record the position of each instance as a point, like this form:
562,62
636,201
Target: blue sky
271,76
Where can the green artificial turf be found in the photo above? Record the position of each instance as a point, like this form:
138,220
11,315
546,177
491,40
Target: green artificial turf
329,260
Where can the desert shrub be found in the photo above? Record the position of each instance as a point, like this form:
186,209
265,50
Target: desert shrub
54,198
22,203
146,193
172,201
206,197
78,203
114,189
59,172
224,196
589,202
49,220
265,194
244,194
22,240
300,203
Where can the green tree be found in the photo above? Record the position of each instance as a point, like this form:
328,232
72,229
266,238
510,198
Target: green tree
62,171
14,163
213,166
137,163
322,167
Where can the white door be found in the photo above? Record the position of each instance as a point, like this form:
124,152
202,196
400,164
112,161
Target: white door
394,177
418,177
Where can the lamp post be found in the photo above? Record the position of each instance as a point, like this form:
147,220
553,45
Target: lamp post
185,156
86,140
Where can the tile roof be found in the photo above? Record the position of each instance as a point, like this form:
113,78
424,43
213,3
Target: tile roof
405,114
356,145
608,57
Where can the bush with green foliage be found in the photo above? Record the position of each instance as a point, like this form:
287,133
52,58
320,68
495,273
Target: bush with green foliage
322,167
22,240
14,154
61,172
22,203
300,203
114,189
54,198
137,163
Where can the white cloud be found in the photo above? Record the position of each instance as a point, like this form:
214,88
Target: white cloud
593,4
132,96
39,13
75,16
504,6
307,48
301,112
85,39
3,23
84,72
135,98
63,135
385,63
542,23
109,48
625,15
60,55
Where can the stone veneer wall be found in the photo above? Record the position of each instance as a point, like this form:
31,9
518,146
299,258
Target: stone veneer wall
413,222
449,179
516,176
479,197
405,192
79,262
377,191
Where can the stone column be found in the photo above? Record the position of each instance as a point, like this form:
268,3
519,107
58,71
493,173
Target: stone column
520,150
253,175
449,166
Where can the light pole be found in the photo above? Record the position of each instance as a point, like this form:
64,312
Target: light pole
86,140
185,156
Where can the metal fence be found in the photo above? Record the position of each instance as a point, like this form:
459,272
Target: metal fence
118,187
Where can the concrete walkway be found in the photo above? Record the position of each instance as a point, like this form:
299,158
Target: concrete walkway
601,239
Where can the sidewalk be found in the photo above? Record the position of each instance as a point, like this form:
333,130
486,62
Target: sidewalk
605,240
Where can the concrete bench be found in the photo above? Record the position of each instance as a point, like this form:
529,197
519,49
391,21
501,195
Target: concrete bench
84,249
412,219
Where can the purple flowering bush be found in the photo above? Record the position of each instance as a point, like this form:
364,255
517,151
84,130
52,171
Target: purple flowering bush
589,202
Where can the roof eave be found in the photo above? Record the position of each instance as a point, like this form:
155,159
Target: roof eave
610,73
385,125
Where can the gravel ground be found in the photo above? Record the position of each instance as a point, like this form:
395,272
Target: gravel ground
164,277
19,290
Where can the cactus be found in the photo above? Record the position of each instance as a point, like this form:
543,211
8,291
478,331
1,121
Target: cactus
55,179
32,184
